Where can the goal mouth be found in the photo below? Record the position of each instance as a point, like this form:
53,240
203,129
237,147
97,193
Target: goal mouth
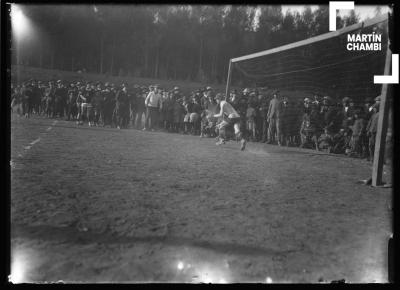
320,65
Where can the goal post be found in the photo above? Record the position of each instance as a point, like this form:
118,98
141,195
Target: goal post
380,142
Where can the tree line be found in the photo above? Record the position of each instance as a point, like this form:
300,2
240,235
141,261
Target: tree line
179,42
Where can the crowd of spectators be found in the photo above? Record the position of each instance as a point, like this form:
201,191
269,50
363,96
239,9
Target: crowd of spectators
316,122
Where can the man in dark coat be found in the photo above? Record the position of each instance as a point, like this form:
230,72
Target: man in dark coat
122,107
71,102
329,115
108,105
60,100
27,99
261,118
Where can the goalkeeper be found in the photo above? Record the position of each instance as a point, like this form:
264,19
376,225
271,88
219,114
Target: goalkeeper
229,117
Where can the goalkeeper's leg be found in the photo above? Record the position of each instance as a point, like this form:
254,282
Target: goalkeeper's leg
221,132
239,135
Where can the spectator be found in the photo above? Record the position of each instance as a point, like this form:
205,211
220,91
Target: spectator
250,121
153,104
371,129
358,132
273,114
325,141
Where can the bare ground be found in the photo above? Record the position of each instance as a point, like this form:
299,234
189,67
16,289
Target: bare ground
107,205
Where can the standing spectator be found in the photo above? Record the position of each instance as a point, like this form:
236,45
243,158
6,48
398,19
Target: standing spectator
176,94
178,112
188,106
37,97
261,118
134,98
251,121
108,105
205,96
292,123
60,100
273,114
162,117
346,113
140,108
97,102
329,115
122,107
283,122
195,116
358,132
369,102
42,89
170,112
49,97
233,98
71,102
27,99
82,103
153,105
372,128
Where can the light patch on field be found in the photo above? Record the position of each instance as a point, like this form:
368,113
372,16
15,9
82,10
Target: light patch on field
257,151
48,129
198,269
268,181
21,263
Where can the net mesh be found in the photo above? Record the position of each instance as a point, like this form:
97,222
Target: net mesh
322,67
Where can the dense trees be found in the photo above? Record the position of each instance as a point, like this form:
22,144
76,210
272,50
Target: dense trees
168,42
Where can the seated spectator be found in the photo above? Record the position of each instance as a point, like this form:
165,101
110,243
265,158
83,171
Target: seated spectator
309,131
325,141
339,142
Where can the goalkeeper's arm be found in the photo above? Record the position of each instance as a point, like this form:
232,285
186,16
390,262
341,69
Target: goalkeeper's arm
221,112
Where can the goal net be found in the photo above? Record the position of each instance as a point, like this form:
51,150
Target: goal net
320,65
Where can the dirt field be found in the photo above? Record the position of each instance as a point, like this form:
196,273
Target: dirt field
107,205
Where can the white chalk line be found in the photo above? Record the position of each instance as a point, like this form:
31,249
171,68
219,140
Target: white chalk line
35,141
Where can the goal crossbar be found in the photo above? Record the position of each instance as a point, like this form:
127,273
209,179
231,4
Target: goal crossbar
366,23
